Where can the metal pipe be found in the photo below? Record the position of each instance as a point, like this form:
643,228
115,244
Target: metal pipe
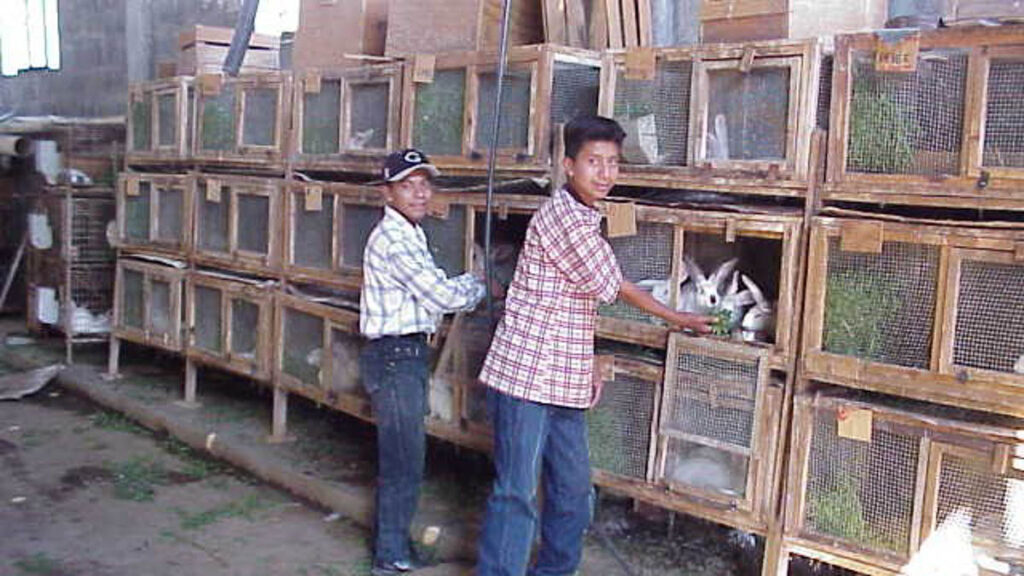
13,145
240,40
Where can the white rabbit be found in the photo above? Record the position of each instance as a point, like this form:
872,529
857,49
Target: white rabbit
718,140
1018,367
345,367
759,322
703,294
359,140
736,303
658,288
709,469
441,399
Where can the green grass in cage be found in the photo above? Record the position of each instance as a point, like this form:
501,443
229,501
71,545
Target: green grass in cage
141,125
606,447
858,311
439,118
218,125
722,324
883,132
839,512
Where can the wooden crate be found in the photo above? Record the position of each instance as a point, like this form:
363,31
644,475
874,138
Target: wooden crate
347,119
304,329
753,20
945,134
148,304
874,482
732,118
766,244
450,117
230,323
238,222
920,310
160,121
243,121
203,49
154,213
328,31
428,26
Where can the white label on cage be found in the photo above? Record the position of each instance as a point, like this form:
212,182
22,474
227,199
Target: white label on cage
423,68
896,50
854,424
621,219
39,232
213,190
47,308
314,199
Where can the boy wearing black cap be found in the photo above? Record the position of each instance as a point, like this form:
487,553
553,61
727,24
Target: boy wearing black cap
404,295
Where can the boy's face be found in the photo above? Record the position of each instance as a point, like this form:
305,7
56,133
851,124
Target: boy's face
594,170
411,195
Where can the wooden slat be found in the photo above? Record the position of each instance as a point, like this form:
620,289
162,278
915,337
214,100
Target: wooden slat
614,9
630,33
576,24
554,22
598,33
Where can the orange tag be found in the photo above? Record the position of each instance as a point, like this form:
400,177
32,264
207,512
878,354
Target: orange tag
621,219
423,68
855,424
312,83
897,51
641,64
314,199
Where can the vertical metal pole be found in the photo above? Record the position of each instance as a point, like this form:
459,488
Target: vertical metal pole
240,40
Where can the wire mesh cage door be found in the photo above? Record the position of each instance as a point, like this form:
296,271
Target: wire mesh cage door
517,133
438,113
254,221
371,108
747,119
262,112
319,107
575,91
140,120
248,337
1000,152
172,214
303,338
134,198
621,427
650,259
218,110
656,110
213,217
987,336
357,220
312,229
170,120
153,212
978,490
148,305
206,311
712,437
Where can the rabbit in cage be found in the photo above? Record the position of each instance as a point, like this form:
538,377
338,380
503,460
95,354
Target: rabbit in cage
441,399
709,469
1018,367
759,322
735,302
358,140
344,367
702,294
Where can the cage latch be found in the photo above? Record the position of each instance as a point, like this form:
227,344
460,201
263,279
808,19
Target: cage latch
983,180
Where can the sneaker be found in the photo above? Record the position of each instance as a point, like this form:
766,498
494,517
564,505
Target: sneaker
395,567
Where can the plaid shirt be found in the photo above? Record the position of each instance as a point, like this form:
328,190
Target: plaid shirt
404,292
543,349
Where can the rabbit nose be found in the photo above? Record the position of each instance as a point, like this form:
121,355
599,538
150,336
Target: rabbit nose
714,300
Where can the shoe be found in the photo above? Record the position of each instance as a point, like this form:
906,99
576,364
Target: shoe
395,567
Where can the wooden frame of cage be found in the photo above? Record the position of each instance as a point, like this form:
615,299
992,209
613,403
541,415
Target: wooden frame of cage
228,188
540,60
271,156
787,177
260,295
988,447
128,186
974,185
347,157
942,381
179,150
784,227
752,511
175,278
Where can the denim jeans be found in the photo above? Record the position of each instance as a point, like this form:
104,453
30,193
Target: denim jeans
395,373
531,438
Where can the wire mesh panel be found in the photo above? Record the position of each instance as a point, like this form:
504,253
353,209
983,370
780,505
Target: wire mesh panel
92,289
748,114
170,215
214,220
861,492
245,330
142,122
619,427
446,239
357,222
345,374
1004,115
208,330
217,125
160,308
825,92
645,258
515,112
312,233
881,307
259,124
302,346
321,119
989,332
575,91
89,219
136,213
253,223
167,119
439,106
665,101
369,116
132,299
907,123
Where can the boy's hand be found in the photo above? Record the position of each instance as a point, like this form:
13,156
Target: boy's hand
695,322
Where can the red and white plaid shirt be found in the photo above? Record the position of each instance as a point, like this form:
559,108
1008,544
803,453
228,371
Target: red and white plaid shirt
543,349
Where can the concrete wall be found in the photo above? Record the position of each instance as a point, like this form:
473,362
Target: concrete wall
105,45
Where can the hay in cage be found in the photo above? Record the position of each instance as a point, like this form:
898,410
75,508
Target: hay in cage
438,121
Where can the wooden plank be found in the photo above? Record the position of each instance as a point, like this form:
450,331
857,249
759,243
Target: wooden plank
598,18
630,25
554,22
721,9
645,27
576,24
747,29
615,38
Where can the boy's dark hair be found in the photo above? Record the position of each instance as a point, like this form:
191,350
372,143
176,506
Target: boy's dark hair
583,129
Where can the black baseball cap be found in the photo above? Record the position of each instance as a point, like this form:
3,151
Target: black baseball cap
400,164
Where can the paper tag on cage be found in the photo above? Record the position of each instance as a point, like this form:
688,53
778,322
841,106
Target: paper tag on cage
213,191
314,199
211,84
312,83
131,187
423,68
1018,252
621,219
897,50
855,424
438,207
641,64
865,237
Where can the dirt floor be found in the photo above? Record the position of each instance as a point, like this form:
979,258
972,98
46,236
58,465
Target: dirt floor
86,491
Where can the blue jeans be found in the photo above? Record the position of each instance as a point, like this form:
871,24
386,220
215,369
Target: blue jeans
395,372
530,438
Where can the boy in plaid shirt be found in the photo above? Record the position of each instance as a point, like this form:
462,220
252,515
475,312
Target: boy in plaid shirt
539,369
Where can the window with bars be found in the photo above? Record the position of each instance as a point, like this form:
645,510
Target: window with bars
29,36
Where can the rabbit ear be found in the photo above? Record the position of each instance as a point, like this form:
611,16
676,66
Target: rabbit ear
724,270
755,291
734,284
744,298
692,269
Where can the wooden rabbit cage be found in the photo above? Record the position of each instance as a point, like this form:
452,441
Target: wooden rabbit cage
154,213
765,247
346,119
237,222
243,121
879,484
160,121
929,118
923,310
229,322
148,306
448,109
732,117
